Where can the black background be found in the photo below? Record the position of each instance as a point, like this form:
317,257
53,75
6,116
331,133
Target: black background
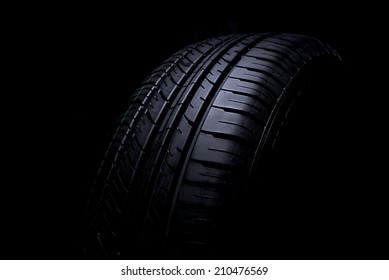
75,71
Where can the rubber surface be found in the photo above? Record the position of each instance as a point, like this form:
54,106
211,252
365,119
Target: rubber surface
190,142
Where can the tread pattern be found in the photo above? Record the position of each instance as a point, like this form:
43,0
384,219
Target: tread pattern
184,147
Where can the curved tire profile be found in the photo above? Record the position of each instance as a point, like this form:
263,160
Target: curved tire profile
193,152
